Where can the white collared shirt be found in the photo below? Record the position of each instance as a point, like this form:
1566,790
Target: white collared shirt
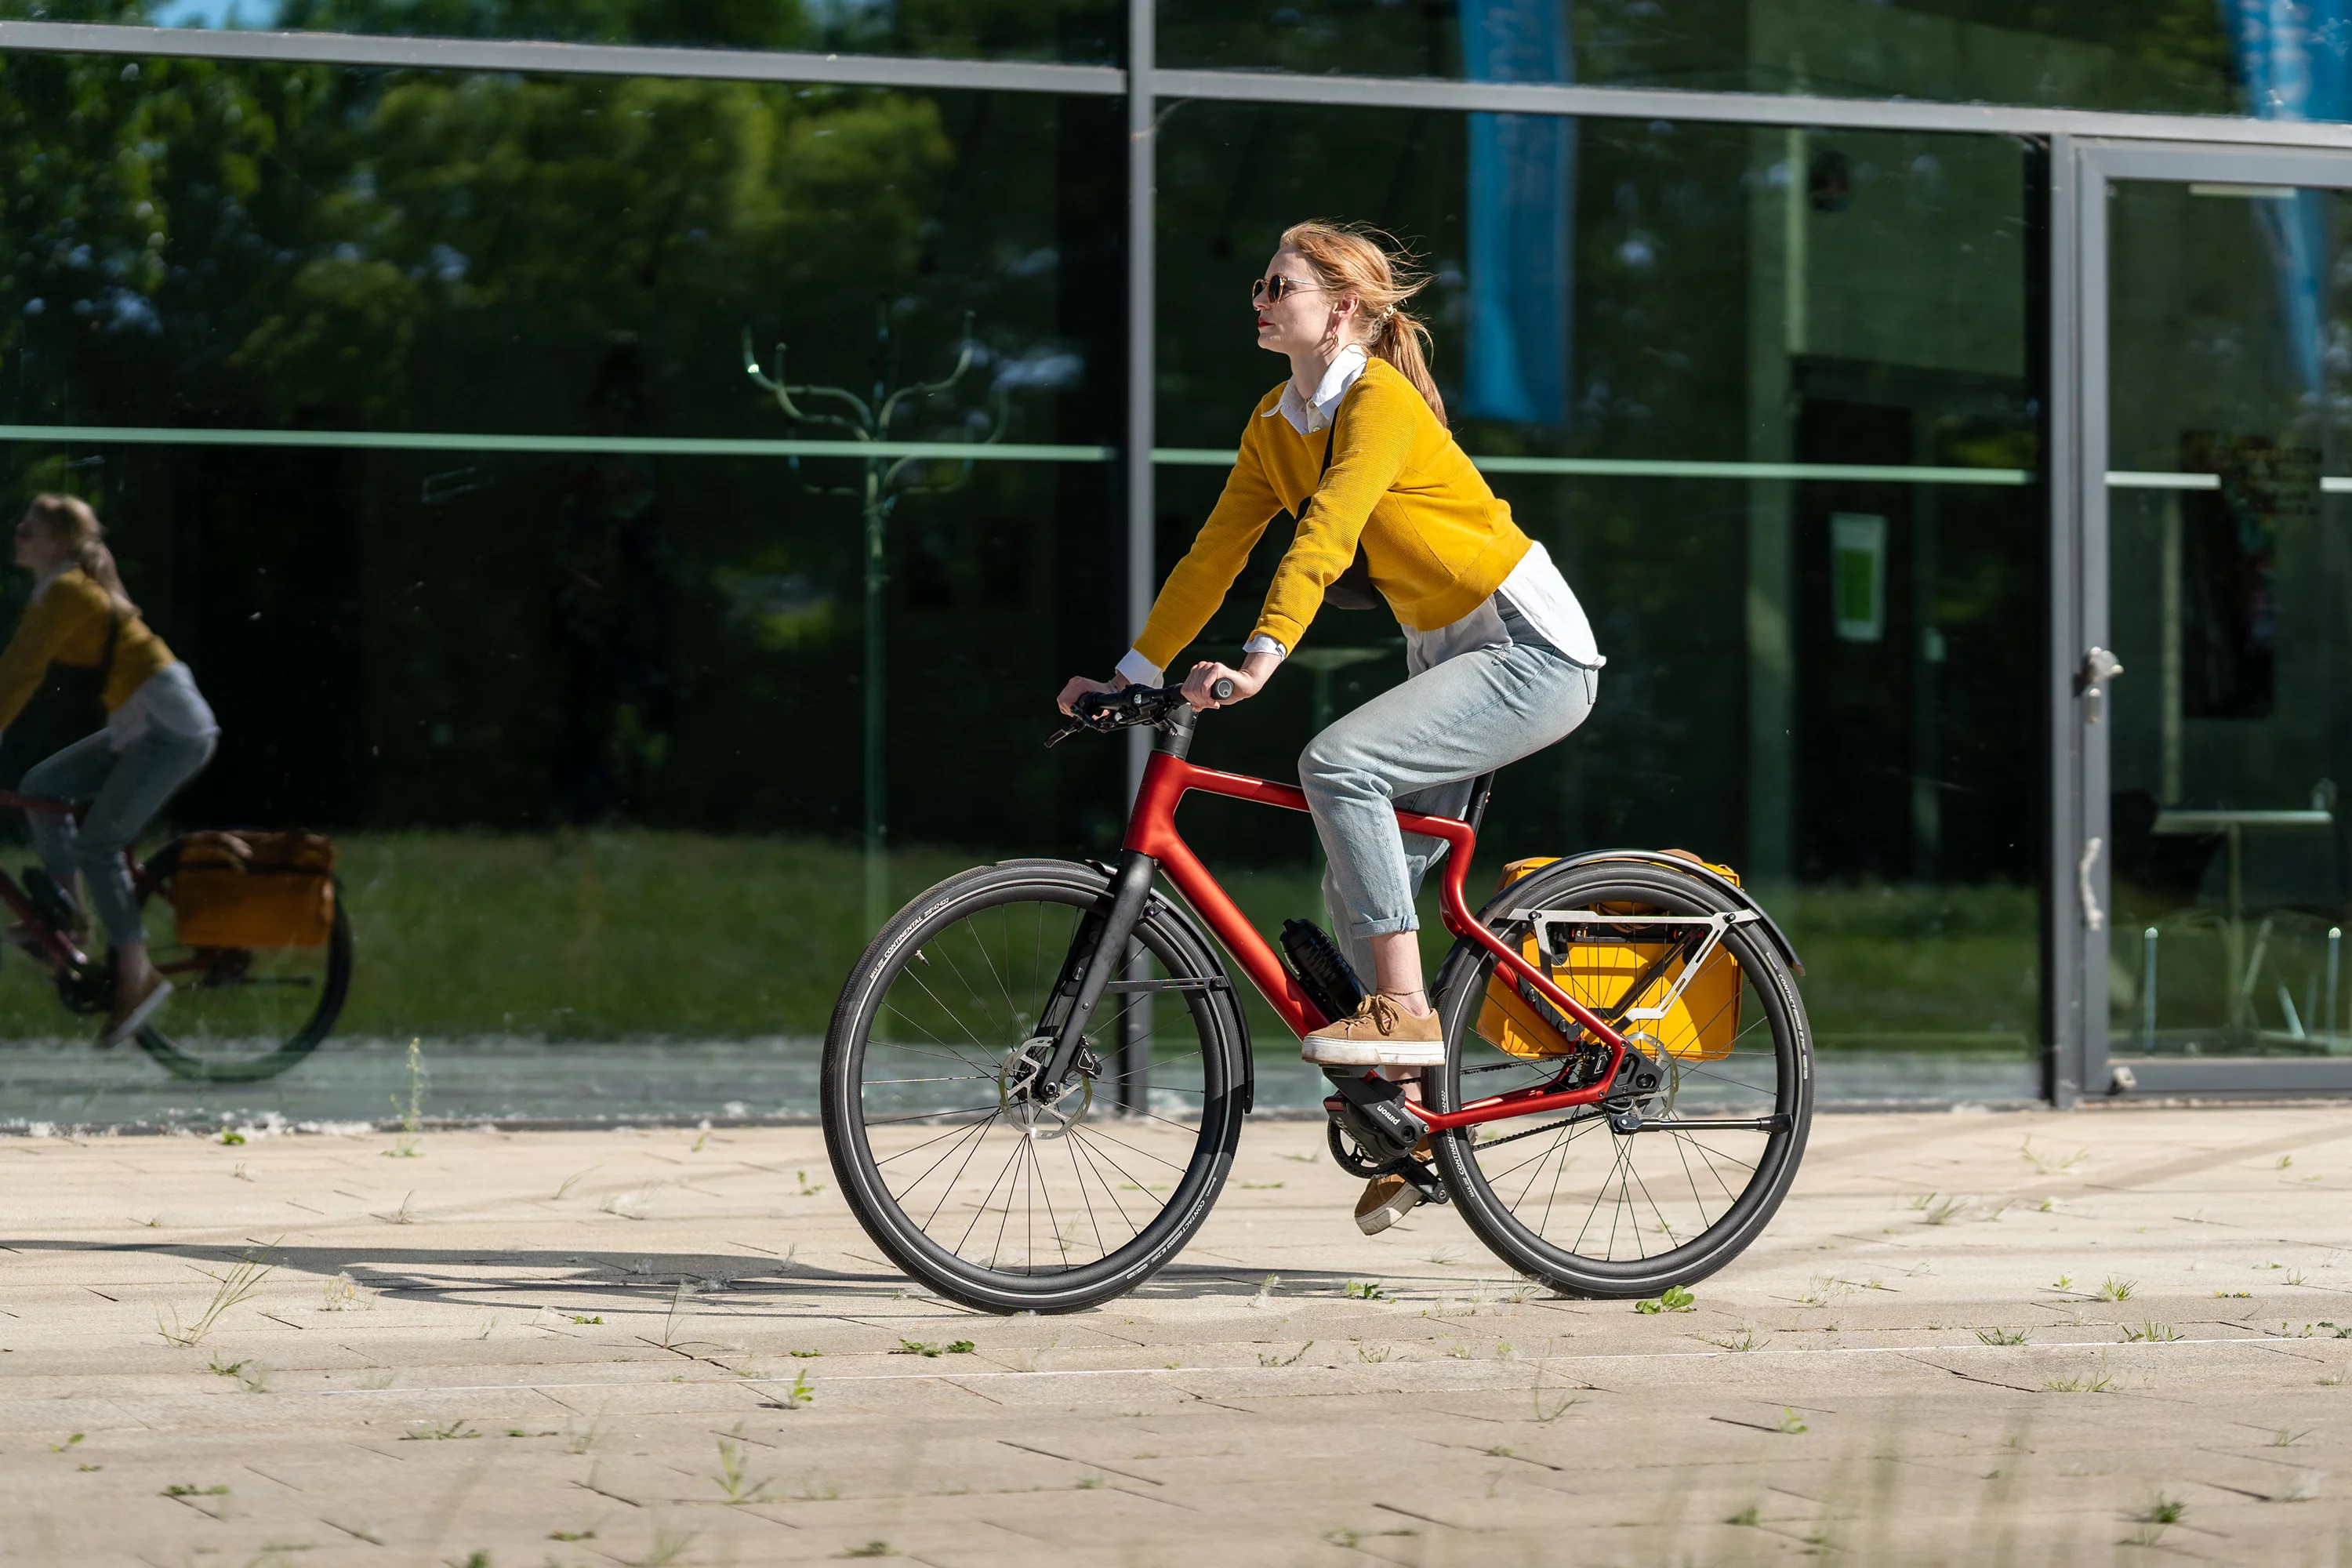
1535,587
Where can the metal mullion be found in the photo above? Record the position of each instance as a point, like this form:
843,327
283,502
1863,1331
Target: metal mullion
1740,108
1232,85
560,59
2067,1023
1142,326
2091,557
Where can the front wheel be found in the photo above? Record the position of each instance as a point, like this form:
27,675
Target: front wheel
968,1180
1710,1123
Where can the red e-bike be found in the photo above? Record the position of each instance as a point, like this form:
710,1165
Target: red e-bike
1035,1075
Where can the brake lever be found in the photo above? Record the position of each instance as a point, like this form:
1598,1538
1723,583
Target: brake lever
1063,734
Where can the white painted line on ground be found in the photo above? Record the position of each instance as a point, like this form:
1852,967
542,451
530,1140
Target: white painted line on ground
1167,1370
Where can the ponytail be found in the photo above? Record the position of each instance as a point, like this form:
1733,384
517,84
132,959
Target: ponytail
69,517
1352,260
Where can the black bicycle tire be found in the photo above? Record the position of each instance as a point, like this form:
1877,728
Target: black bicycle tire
1224,1042
315,1030
1464,983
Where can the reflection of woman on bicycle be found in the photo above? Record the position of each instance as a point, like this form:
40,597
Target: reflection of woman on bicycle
159,732
1500,656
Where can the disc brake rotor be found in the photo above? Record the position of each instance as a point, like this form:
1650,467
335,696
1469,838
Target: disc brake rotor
1045,1110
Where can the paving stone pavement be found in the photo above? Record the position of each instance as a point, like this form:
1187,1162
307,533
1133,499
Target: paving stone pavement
2018,1338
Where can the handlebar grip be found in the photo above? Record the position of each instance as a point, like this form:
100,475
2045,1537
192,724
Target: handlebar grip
1222,691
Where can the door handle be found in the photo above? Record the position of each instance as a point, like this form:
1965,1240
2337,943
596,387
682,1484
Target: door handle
2091,677
2094,918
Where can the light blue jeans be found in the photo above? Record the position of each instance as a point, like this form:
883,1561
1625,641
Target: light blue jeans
125,789
1480,694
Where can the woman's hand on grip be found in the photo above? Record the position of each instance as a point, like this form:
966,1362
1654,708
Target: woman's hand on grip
1079,686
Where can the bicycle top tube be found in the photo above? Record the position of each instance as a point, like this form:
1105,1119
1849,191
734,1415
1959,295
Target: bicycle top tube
11,801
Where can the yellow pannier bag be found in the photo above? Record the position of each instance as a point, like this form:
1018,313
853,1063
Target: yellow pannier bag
1701,1026
254,889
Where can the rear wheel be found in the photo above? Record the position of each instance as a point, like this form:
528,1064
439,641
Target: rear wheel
1569,1198
238,1014
984,1191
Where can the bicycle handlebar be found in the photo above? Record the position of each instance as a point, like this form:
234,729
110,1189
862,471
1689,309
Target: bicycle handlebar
1104,712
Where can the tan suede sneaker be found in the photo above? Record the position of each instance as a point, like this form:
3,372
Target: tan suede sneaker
1386,1200
1379,1033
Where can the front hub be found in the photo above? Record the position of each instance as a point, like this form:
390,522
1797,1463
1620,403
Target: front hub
1045,1110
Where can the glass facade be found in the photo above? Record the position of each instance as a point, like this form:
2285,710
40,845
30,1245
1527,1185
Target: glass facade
2227,507
435,415
1733,317
2182,57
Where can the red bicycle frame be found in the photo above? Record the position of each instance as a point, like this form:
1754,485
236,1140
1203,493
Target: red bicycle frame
1151,831
53,942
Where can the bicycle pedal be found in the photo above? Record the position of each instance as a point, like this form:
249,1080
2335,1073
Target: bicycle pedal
1426,1181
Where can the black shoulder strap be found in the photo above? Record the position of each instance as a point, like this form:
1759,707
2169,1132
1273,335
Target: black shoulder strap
114,630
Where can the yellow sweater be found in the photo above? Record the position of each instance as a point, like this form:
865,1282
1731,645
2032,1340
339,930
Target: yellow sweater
1436,539
67,626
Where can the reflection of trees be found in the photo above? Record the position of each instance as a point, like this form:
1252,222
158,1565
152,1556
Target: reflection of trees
280,241
190,243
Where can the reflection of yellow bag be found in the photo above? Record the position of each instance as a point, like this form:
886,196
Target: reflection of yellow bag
254,889
1701,1026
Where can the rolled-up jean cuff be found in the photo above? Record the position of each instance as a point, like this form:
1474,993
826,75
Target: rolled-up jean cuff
1388,927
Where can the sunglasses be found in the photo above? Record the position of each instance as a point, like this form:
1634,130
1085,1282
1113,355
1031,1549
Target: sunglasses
1274,290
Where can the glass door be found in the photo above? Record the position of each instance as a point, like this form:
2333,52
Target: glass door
2216,722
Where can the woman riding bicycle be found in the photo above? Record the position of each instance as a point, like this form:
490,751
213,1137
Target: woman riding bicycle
1500,657
159,732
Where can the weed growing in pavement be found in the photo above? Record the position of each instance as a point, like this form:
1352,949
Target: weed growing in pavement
2113,1289
566,1185
1265,1296
669,1340
1375,1354
571,1535
1260,1187
1825,1288
68,1443
2294,1276
2162,1510
625,1205
2000,1336
186,1489
1444,1256
1745,1342
808,1189
2338,1378
2064,1282
344,1294
2285,1162
1034,1358
884,1549
924,1348
1790,1422
1675,1300
438,1432
1549,1411
2287,1437
244,1277
1265,1359
734,1478
1935,1210
794,1394
667,1547
804,1355
2084,1382
1748,1515
2051,1164
2232,1295
1366,1291
401,1215
2151,1329
403,1147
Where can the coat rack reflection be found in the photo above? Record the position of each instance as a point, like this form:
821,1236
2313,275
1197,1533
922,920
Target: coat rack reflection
886,482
